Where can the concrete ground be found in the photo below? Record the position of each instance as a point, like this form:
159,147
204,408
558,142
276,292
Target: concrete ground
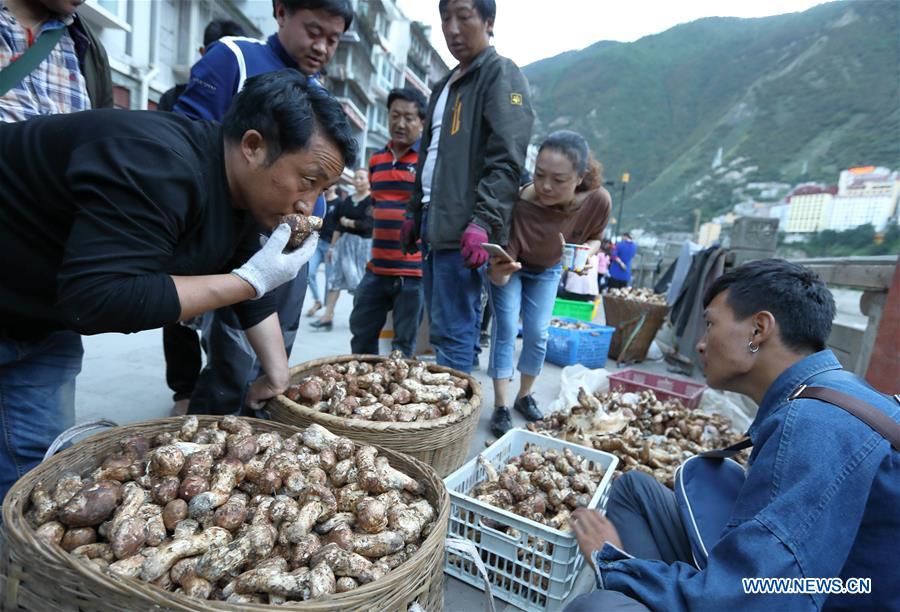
123,380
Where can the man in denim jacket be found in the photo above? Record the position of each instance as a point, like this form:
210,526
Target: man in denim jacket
822,495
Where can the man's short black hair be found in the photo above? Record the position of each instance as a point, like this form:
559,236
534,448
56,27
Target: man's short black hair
487,9
410,95
280,106
626,235
800,302
338,8
220,28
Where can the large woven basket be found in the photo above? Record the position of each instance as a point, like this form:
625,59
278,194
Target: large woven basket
636,326
441,443
36,576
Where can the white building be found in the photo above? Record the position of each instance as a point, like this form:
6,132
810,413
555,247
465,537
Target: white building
866,195
780,212
152,45
382,50
809,213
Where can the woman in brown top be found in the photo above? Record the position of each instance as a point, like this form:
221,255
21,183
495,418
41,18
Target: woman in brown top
566,203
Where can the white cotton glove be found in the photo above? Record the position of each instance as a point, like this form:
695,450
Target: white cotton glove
270,267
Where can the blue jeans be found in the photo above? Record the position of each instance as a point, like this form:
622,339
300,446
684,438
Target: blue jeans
532,294
37,399
375,296
314,263
453,296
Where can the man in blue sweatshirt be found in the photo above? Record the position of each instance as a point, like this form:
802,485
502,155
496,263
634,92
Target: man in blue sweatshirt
308,35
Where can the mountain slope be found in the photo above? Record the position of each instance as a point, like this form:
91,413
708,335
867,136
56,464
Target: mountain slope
786,98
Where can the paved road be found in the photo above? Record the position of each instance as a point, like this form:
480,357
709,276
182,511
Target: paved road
124,380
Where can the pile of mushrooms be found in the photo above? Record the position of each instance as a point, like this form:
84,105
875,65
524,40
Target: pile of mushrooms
221,512
394,389
561,324
542,484
646,434
638,294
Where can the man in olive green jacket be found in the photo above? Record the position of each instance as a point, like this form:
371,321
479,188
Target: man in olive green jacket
478,126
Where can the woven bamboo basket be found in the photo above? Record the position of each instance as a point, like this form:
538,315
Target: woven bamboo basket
636,326
441,443
35,576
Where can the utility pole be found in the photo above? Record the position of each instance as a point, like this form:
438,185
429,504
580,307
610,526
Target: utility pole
625,178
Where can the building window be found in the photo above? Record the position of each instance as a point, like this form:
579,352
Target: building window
387,73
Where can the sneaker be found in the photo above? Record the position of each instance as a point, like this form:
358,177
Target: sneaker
485,340
500,421
527,407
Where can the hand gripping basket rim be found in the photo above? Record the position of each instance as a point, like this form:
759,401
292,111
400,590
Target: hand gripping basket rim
450,434
43,573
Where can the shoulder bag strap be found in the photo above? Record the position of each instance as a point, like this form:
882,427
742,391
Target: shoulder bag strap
731,451
13,74
871,416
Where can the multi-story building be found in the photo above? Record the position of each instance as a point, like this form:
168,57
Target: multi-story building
382,50
153,44
866,195
810,207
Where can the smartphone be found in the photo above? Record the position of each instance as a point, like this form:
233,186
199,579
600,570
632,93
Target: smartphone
496,250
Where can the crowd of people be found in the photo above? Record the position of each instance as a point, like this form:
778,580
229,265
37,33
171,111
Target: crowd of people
120,221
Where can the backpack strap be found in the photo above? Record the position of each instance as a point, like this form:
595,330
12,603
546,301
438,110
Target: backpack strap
15,72
874,418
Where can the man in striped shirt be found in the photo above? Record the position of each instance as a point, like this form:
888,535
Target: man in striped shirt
393,281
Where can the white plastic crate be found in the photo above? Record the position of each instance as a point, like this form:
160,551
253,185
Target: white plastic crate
520,572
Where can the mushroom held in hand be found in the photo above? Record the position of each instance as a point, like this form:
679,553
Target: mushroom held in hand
301,228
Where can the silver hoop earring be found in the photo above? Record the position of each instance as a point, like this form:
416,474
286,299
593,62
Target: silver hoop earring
753,349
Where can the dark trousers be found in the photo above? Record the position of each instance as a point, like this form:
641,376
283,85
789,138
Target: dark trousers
646,517
377,295
231,363
614,283
181,346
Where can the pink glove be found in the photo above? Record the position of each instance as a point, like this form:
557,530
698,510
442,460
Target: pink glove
408,237
470,244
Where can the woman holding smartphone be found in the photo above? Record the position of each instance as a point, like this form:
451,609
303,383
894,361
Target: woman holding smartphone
565,203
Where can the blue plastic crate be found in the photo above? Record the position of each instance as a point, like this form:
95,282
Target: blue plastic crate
589,347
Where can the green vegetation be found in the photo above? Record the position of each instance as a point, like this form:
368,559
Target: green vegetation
861,240
815,90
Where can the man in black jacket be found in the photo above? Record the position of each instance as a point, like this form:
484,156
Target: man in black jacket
181,343
476,134
115,221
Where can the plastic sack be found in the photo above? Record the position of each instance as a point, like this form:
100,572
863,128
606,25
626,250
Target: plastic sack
574,378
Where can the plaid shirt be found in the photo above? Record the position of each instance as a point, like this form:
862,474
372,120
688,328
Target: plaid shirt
56,86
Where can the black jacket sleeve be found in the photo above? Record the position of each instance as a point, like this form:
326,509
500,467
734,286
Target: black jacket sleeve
133,197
